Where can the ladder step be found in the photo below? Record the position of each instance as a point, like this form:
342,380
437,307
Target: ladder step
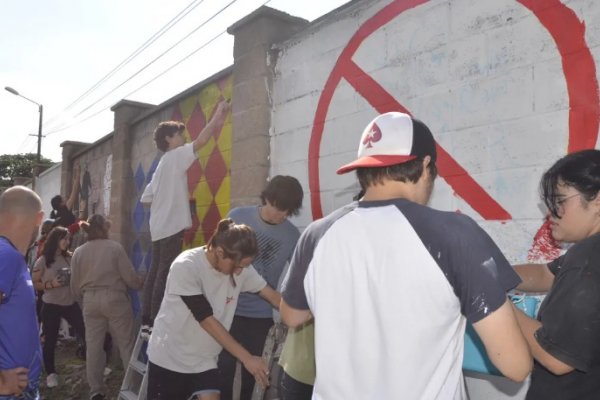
127,395
138,366
135,380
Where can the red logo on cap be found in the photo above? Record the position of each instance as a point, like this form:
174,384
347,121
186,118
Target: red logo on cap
373,136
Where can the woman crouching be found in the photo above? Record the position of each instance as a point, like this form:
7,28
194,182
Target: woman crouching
192,324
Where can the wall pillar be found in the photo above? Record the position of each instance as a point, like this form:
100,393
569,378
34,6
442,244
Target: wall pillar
122,174
69,149
251,109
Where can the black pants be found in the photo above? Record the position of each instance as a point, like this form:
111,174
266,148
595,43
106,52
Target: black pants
164,384
291,389
251,333
51,315
164,251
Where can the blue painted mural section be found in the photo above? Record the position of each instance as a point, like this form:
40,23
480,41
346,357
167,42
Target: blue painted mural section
141,249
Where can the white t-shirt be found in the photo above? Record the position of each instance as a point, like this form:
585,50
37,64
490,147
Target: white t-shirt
178,342
168,193
391,285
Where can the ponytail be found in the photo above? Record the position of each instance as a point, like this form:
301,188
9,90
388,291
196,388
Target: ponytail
237,240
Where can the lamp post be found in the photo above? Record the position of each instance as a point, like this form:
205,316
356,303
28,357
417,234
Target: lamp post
41,109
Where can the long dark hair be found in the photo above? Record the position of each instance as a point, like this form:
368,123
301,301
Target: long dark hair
51,245
237,240
581,170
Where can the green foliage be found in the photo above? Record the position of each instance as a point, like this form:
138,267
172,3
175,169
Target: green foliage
17,165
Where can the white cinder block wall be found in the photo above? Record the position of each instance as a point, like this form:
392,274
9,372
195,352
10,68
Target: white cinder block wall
506,86
48,186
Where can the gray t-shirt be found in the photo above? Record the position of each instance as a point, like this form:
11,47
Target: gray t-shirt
61,296
275,247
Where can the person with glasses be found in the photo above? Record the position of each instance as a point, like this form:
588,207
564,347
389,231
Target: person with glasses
277,237
564,339
191,328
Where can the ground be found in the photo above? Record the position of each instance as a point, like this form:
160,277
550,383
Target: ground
73,383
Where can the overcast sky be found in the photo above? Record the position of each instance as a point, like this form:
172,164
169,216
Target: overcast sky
53,51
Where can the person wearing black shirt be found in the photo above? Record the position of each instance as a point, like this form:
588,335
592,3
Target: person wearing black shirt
565,338
62,211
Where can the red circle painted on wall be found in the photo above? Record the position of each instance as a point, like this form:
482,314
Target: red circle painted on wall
578,66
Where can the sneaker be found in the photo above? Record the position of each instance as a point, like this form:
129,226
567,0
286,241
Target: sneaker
107,371
146,332
98,396
52,380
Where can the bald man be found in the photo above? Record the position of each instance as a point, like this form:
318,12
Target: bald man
20,352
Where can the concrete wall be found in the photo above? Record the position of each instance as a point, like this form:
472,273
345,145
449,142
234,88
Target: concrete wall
95,162
47,186
507,87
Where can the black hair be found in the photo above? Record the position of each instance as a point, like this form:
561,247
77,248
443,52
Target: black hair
55,202
285,193
409,171
51,244
580,170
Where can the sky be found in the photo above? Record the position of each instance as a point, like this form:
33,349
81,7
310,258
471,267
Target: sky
54,51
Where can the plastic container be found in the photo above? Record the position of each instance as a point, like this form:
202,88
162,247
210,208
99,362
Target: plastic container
475,358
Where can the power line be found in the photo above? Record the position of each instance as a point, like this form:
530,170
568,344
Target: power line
142,86
155,59
23,144
189,8
154,78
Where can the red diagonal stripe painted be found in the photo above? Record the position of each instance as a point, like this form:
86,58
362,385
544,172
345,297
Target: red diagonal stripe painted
456,176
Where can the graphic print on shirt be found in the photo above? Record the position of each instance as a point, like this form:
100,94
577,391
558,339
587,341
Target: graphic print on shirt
269,247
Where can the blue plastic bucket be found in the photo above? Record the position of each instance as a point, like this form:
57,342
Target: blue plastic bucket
475,357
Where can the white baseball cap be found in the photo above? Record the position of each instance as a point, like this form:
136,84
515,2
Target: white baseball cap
392,138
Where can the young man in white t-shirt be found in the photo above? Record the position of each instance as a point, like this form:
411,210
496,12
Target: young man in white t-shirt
391,282
167,196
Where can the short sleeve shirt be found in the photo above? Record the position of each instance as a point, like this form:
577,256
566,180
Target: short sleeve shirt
403,278
178,342
570,317
61,296
275,246
19,335
168,193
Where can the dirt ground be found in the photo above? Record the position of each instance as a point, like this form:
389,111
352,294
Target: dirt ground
71,370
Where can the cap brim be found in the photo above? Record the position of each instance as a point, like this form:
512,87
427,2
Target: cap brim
374,161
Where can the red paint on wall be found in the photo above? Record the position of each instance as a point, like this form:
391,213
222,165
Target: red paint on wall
382,101
544,248
580,74
579,68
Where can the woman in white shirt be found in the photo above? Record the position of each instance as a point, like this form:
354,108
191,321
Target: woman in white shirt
192,325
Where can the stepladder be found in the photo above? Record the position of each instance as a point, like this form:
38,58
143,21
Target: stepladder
271,354
135,381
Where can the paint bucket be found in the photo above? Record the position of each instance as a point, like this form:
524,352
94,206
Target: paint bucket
475,358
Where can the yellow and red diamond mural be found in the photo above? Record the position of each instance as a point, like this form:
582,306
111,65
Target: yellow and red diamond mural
209,180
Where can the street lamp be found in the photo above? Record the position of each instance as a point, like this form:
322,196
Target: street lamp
41,109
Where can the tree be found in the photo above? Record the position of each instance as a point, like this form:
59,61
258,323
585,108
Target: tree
18,165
